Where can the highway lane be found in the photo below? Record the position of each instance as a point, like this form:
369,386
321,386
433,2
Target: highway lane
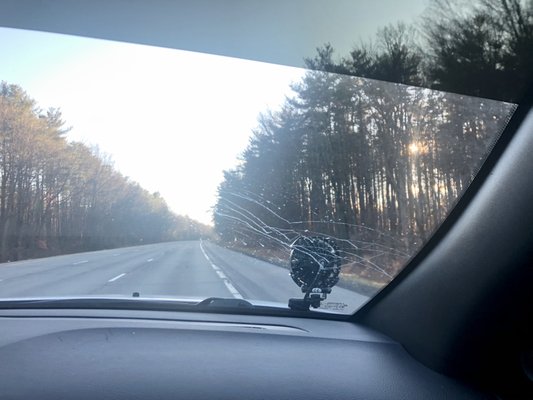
177,269
259,280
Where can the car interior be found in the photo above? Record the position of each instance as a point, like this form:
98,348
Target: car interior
454,324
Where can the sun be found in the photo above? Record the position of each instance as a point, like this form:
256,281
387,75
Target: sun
414,148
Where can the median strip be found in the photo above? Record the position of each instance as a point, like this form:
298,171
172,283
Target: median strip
234,292
117,277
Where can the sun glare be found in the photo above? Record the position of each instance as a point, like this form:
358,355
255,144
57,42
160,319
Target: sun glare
414,148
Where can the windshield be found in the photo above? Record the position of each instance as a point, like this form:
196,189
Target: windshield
133,169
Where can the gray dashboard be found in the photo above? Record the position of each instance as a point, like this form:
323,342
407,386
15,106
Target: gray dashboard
125,354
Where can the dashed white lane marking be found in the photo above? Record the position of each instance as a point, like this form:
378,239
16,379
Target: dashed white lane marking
80,262
116,254
116,277
232,289
234,292
150,260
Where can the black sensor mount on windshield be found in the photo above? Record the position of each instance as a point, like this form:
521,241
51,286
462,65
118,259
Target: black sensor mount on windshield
315,266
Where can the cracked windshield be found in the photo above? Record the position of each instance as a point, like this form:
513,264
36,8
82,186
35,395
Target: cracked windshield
128,170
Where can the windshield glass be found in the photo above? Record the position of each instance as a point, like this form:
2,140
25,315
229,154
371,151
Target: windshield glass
134,169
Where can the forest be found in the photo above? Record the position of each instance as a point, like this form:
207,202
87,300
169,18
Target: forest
374,148
61,197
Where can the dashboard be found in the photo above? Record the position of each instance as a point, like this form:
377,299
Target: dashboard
126,354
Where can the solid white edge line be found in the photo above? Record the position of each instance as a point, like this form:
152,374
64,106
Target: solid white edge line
117,277
234,292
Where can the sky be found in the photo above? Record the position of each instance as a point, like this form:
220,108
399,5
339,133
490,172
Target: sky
170,120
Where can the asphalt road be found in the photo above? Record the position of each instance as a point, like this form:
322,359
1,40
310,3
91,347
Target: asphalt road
177,269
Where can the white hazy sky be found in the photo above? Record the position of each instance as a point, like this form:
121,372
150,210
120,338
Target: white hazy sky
171,120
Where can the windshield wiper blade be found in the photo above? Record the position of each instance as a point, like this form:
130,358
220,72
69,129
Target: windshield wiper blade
208,305
224,302
95,303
